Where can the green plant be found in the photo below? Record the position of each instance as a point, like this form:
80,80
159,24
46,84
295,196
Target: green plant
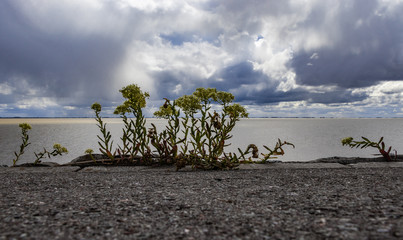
205,132
210,132
104,142
134,137
57,150
167,142
253,149
89,151
25,127
127,142
380,145
197,138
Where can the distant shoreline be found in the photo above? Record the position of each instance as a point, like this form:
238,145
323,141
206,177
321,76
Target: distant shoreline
241,119
118,120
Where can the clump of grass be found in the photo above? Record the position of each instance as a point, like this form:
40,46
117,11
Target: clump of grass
365,143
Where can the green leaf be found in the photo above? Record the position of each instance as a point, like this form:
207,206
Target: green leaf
267,148
380,140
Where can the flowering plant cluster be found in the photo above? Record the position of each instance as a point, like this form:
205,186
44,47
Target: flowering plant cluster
196,134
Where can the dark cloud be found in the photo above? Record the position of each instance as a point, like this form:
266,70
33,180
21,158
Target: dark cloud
59,65
166,83
269,96
335,48
242,80
241,73
369,49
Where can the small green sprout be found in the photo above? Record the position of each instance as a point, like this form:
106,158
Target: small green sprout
89,151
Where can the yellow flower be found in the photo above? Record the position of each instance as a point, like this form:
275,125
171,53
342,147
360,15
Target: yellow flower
236,111
121,110
25,126
59,148
135,97
89,151
347,141
224,97
96,107
165,111
190,104
206,94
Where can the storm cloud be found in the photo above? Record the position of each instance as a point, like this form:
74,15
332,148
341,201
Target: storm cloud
280,58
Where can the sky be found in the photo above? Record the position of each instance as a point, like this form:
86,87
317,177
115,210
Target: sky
279,58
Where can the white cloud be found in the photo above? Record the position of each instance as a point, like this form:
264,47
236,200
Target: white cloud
69,108
36,103
6,89
189,43
198,59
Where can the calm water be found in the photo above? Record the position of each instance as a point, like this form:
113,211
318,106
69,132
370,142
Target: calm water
313,138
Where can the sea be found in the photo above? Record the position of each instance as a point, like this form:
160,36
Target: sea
313,138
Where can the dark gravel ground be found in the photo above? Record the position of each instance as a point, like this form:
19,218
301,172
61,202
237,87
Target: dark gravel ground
144,203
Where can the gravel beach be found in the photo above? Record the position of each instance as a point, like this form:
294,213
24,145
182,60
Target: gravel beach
273,201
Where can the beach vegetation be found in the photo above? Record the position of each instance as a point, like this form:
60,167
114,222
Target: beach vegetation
104,141
135,140
365,143
57,148
89,151
198,130
25,127
251,154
